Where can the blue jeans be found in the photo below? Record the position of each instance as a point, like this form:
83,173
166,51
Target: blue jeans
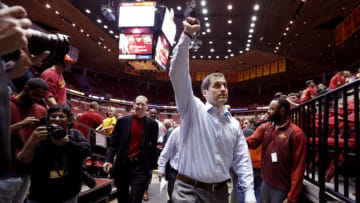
257,187
14,189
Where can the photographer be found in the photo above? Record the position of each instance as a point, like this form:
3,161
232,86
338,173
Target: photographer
57,160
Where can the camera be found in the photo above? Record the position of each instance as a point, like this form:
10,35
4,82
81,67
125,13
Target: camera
55,131
57,44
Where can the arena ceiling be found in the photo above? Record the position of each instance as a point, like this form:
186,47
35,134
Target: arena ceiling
308,42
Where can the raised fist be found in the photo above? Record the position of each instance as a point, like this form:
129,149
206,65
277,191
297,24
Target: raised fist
191,26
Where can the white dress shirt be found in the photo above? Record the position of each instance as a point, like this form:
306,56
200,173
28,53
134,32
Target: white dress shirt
170,152
161,131
211,143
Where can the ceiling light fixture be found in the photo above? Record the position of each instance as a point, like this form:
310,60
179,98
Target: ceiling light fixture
229,7
116,36
47,6
203,33
206,18
291,22
203,3
287,29
253,18
240,51
250,36
256,7
231,55
284,34
81,30
109,50
194,57
251,30
252,25
207,24
217,57
99,21
247,45
87,35
87,11
204,11
229,42
73,24
247,49
229,50
209,57
178,8
249,40
210,42
201,56
212,50
105,26
111,32
229,21
57,13
208,30
229,33
226,57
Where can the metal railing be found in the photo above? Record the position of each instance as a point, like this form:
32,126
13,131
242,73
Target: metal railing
331,124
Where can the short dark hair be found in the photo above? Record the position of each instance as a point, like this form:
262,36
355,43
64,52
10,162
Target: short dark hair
93,105
285,104
278,95
64,108
207,80
308,82
35,83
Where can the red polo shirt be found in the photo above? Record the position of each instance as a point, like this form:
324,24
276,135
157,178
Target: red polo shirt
335,80
57,86
307,94
90,118
136,131
19,137
289,143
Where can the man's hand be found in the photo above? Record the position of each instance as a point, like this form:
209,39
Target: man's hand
38,135
13,26
107,166
191,26
18,68
61,142
29,122
160,175
286,201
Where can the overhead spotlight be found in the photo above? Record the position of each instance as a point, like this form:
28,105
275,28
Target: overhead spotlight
210,42
249,40
206,18
204,11
99,43
207,24
284,34
208,30
240,51
217,57
256,7
279,43
73,24
250,36
229,7
251,30
291,22
275,51
247,45
201,56
229,33
229,50
109,50
111,32
57,13
203,3
47,6
105,47
105,26
212,50
287,29
87,35
116,36
99,21
252,25
209,57
277,48
194,57
247,49
87,11
254,18
229,21
178,8
226,57
231,55
229,42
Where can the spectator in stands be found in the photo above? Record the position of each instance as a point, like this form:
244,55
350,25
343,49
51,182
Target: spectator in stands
91,119
205,159
255,155
14,25
134,142
169,128
57,87
25,114
56,161
321,89
337,80
153,114
310,91
347,76
293,99
283,155
109,123
170,153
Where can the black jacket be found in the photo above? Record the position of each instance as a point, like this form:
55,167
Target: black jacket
48,184
119,143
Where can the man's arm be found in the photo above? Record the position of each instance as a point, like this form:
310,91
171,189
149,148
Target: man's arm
50,95
26,155
298,168
179,68
243,167
255,140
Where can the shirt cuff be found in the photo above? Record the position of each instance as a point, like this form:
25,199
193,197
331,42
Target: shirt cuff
161,170
250,196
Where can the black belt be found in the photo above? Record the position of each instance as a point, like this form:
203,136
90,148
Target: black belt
134,159
212,187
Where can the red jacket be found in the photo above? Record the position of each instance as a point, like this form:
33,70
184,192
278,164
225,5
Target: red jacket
289,143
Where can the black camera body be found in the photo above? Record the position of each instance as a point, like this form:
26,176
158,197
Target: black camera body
55,131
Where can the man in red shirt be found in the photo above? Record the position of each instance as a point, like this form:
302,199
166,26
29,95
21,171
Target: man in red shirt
310,92
57,86
91,118
25,114
134,142
337,80
283,155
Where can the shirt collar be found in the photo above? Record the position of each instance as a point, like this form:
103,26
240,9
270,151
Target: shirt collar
211,108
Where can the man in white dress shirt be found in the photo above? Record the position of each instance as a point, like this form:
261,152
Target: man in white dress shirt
211,139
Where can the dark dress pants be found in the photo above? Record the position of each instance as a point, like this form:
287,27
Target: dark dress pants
134,175
171,182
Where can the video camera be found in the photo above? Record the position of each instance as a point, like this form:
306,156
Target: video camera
57,44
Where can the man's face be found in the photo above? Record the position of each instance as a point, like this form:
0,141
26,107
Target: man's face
246,123
274,111
217,94
60,118
140,107
36,95
152,113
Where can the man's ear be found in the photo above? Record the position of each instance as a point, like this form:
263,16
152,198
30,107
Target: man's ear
204,93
